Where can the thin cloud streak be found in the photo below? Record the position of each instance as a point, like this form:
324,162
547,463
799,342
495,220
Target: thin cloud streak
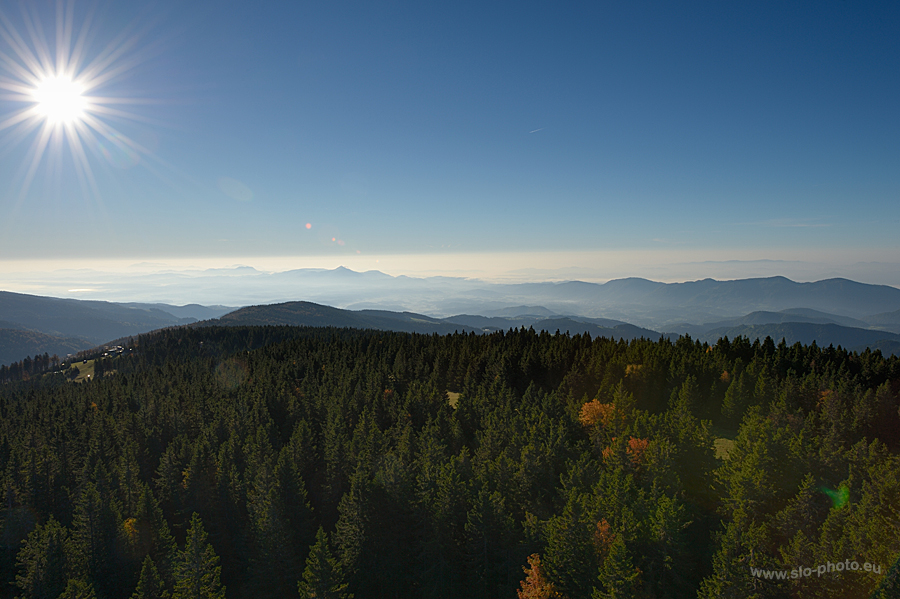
785,222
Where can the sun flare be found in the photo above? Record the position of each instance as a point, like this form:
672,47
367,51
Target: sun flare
66,88
60,100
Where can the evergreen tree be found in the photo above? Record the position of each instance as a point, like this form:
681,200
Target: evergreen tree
890,584
197,570
571,555
688,399
93,535
619,579
272,568
737,399
78,589
322,578
489,529
147,534
150,585
351,530
42,562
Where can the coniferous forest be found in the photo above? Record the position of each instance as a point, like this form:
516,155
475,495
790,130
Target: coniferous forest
285,462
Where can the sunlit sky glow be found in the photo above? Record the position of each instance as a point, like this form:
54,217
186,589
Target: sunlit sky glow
517,140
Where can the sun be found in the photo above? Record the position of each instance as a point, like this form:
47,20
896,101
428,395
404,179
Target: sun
60,96
60,100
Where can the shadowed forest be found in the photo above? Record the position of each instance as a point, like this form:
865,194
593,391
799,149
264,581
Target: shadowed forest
271,461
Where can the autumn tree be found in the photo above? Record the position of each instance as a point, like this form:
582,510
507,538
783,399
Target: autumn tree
536,585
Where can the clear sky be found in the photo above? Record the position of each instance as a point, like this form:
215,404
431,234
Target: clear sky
592,134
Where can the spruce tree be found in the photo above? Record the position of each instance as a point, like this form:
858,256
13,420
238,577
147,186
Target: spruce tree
197,570
93,535
619,579
78,589
272,562
322,578
152,536
150,585
42,562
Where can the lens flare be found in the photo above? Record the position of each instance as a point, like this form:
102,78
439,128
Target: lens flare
839,497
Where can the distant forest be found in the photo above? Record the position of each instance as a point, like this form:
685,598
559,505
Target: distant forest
319,462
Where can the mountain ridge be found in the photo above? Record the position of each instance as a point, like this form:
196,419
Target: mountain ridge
645,306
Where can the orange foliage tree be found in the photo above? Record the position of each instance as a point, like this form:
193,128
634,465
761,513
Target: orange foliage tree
636,449
536,584
603,537
594,412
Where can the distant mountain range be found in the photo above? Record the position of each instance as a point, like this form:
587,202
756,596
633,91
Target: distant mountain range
794,325
835,311
31,324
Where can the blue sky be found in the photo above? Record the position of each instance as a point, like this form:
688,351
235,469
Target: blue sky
710,132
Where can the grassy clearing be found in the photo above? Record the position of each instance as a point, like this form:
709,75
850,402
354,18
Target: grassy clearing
722,447
84,370
724,441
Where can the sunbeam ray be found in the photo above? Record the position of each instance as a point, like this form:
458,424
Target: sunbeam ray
64,80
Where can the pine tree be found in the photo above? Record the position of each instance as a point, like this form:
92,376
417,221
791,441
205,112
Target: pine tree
273,571
351,530
737,399
93,534
197,570
688,399
890,584
619,579
149,535
150,585
489,530
42,562
78,589
292,469
322,578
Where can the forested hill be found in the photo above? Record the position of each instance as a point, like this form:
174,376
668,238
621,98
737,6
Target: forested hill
18,343
316,315
241,462
805,332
